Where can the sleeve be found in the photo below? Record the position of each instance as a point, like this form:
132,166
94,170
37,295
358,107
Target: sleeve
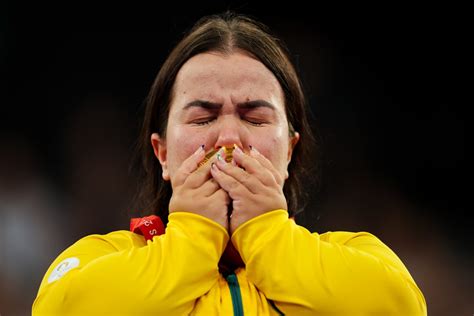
338,273
163,277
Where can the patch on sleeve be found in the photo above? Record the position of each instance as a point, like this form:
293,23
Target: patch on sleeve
62,268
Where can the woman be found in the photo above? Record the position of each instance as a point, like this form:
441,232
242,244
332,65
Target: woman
223,145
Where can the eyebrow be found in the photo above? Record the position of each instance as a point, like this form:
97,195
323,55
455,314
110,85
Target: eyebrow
202,104
243,105
255,104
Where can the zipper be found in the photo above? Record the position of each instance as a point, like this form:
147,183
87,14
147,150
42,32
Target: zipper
235,294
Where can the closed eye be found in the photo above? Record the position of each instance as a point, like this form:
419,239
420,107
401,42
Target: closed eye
255,121
203,121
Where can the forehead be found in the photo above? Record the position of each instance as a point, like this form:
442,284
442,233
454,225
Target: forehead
214,76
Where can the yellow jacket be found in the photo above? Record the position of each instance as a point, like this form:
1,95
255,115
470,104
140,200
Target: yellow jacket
288,270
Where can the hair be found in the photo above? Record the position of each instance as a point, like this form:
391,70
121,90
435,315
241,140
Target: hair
224,33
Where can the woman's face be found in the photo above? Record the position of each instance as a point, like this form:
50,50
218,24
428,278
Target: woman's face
222,100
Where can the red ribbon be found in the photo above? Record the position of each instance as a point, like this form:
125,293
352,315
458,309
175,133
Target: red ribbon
148,226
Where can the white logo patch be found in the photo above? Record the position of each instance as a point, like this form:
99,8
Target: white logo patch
62,268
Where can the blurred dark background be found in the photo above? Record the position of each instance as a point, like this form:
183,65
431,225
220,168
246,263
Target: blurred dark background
383,84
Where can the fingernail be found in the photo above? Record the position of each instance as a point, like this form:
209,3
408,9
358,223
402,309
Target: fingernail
201,148
220,161
237,149
221,153
253,149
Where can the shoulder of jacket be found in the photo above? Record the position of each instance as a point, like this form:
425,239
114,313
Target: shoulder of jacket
120,240
344,237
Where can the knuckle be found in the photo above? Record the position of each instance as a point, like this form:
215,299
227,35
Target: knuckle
246,178
233,185
278,178
268,178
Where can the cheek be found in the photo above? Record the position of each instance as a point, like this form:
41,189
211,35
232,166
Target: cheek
181,144
274,148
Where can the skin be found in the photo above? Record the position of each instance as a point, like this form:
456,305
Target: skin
226,100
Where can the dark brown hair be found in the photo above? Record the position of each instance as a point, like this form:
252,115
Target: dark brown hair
222,33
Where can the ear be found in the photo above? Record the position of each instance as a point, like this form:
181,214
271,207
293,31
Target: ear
159,148
293,141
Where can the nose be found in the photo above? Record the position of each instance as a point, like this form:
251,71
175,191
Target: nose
229,131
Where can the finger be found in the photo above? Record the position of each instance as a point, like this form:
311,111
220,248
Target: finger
231,184
254,167
251,182
222,194
266,163
202,174
250,164
209,187
188,166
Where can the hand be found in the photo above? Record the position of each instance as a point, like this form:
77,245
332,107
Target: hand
196,191
256,189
